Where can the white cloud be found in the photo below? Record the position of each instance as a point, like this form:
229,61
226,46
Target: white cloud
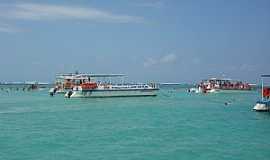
150,62
196,60
166,59
31,11
243,67
247,67
153,4
8,29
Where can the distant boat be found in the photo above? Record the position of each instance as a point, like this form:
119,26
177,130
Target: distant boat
264,104
214,85
29,85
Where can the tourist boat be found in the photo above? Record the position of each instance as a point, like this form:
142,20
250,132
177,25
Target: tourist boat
63,83
214,85
264,103
86,85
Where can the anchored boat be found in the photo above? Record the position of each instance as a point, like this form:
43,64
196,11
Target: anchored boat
213,85
264,103
100,85
86,86
63,83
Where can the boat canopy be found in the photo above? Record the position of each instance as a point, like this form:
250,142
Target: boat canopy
103,75
265,75
76,76
221,79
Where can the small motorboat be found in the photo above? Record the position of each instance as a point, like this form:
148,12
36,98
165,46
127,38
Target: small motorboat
264,104
194,90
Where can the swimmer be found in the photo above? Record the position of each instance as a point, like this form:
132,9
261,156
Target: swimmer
227,103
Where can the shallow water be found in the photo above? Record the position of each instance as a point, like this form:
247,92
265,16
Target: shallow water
173,125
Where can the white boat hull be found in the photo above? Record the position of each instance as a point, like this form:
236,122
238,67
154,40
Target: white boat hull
194,90
213,91
112,93
61,91
261,107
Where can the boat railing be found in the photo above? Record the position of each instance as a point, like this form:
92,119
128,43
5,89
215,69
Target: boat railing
137,85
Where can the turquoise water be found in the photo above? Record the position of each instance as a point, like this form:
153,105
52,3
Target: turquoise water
173,125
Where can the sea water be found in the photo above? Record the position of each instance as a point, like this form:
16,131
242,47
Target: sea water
173,125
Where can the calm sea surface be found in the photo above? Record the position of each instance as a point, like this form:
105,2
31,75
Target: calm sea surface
173,125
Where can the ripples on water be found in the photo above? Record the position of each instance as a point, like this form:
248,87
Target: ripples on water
173,125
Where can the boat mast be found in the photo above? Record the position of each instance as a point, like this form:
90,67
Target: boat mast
262,87
122,80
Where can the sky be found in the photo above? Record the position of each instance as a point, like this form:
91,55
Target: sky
149,40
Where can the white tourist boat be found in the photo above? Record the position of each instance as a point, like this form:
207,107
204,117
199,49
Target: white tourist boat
63,83
214,85
87,86
101,85
264,104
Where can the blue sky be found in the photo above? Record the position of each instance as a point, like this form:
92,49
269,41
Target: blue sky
149,40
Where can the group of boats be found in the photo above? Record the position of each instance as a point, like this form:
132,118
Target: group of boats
81,85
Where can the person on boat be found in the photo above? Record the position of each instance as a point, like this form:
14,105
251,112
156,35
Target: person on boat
69,94
53,92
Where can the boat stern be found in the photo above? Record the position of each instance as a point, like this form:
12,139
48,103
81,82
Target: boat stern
262,106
